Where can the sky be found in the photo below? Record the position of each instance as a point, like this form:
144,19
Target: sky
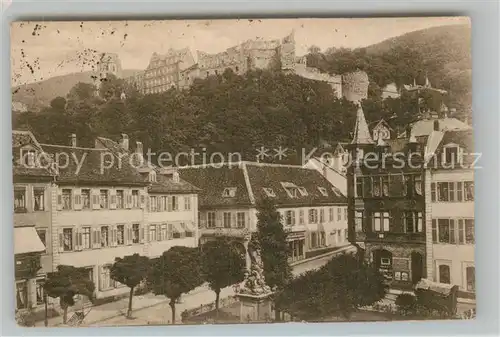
40,50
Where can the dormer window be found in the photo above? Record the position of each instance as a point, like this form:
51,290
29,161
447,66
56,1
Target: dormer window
451,154
323,191
229,192
302,191
269,192
152,176
28,157
175,177
291,189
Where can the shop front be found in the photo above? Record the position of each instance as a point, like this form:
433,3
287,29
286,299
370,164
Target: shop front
296,242
29,283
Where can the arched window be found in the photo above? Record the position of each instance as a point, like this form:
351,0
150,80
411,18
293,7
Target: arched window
444,274
470,276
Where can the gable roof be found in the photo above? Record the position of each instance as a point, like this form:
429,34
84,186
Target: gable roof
424,127
163,184
21,139
250,179
86,166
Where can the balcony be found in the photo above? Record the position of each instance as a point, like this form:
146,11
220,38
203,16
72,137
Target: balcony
391,237
238,232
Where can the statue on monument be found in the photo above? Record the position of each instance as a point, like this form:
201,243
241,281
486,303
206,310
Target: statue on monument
255,283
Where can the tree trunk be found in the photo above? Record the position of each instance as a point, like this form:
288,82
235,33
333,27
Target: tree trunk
217,296
172,306
129,312
65,313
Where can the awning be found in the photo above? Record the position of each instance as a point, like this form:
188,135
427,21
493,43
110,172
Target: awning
177,227
26,240
440,288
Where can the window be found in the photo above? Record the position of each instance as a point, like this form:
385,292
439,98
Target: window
67,239
135,233
105,278
323,192
175,203
104,199
28,157
85,238
376,186
345,213
412,222
66,198
153,204
470,278
104,236
39,199
187,231
417,184
152,233
290,218
381,221
152,176
330,214
469,231
336,191
321,215
40,295
164,232
469,191
303,191
339,214
21,295
119,199
229,192
211,219
359,187
227,220
269,192
314,239
135,199
85,198
433,192
42,234
322,238
451,154
446,230
301,217
358,221
120,234
444,274
20,200
385,186
313,216
187,203
240,217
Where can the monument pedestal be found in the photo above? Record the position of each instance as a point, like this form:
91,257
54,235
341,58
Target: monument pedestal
255,308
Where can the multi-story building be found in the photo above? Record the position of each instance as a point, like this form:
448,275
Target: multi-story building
449,194
385,183
34,192
163,71
171,215
313,211
109,63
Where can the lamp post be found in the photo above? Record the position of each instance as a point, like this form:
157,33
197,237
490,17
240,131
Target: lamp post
46,320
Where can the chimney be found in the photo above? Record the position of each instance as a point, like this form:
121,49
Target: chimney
436,125
138,148
408,131
124,141
73,140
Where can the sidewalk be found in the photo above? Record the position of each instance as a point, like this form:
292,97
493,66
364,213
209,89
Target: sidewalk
200,295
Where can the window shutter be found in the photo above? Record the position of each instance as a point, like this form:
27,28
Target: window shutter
130,234
112,199
77,198
126,233
218,219
101,279
169,203
76,243
142,196
93,242
233,219
61,240
59,200
142,239
98,237
158,233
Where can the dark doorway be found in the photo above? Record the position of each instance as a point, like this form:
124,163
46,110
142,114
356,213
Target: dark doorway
417,267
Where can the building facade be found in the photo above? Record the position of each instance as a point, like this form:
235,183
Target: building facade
450,208
313,212
387,205
109,63
34,190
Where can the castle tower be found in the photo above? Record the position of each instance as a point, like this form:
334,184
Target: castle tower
109,63
355,86
287,52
